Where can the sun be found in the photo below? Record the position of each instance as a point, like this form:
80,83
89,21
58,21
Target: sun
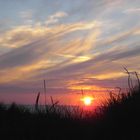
87,100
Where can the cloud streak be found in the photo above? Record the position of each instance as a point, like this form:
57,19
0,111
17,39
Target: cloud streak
55,17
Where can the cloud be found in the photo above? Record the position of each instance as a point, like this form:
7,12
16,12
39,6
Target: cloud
106,65
132,11
26,14
40,47
55,17
22,35
46,53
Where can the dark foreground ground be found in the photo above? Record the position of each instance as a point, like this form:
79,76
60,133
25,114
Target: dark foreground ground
119,119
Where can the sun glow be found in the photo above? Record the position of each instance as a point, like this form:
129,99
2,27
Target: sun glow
87,100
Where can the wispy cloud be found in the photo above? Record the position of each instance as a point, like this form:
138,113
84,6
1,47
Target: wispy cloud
132,10
26,14
55,17
36,46
33,57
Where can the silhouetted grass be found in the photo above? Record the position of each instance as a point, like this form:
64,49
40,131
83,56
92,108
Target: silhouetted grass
118,119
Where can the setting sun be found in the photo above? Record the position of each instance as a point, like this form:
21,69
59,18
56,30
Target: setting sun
87,100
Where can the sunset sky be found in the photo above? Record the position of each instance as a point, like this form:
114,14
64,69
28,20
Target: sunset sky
72,44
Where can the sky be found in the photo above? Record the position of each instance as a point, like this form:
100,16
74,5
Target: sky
73,45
